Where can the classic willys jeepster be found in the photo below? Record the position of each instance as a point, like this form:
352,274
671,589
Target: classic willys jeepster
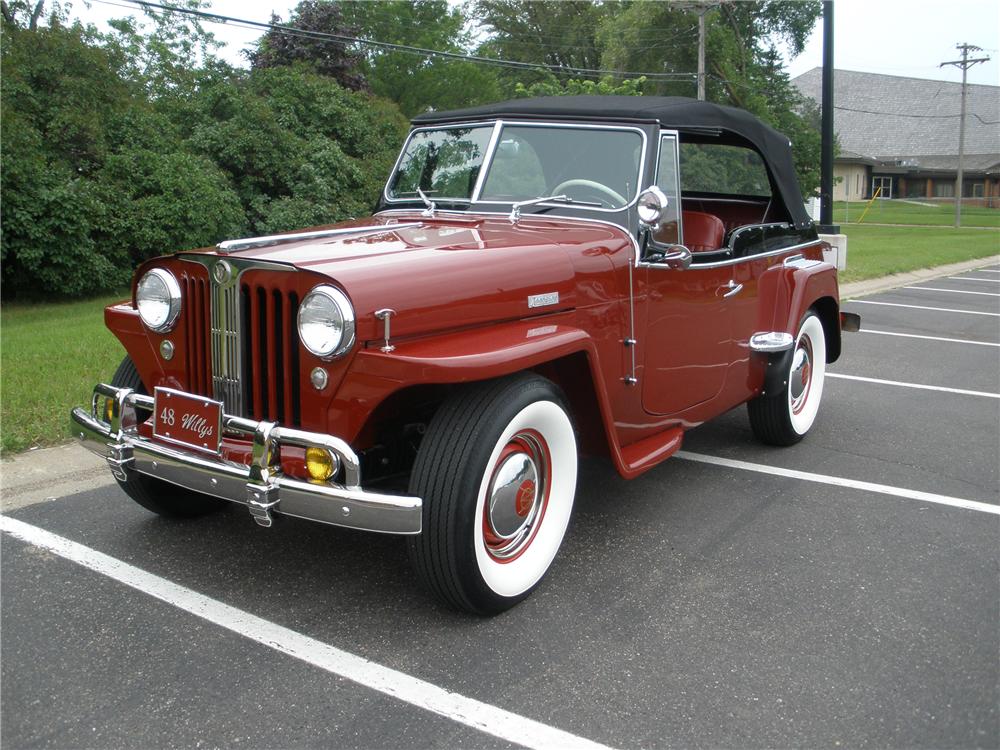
541,279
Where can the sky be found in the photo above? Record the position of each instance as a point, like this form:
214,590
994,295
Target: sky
894,37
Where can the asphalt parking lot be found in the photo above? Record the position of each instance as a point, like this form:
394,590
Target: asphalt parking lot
844,592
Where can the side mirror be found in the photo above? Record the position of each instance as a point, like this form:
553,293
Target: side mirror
652,203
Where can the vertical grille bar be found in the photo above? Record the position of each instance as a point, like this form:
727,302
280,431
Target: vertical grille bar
291,383
260,381
272,355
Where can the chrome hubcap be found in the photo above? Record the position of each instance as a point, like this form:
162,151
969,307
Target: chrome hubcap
515,498
801,375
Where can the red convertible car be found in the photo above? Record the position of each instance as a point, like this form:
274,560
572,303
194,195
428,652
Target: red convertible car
541,279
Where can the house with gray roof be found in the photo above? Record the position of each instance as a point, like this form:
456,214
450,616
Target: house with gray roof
900,136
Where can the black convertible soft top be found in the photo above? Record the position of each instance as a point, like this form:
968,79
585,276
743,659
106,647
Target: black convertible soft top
700,119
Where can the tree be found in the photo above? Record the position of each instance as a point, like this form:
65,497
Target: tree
744,67
329,57
607,86
20,13
415,81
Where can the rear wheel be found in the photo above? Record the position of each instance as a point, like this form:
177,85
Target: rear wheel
154,494
784,415
497,474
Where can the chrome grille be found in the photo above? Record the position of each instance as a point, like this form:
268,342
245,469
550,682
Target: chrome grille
252,337
226,382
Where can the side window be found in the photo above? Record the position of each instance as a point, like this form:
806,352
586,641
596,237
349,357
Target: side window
669,231
723,169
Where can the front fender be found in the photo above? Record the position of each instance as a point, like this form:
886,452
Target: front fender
459,357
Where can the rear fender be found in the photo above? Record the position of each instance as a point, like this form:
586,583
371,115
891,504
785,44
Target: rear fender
790,291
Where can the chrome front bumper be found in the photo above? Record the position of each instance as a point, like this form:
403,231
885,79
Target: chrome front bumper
260,486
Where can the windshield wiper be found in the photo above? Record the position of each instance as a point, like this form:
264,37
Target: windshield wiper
515,209
429,211
431,206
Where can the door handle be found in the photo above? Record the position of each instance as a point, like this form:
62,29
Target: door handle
731,289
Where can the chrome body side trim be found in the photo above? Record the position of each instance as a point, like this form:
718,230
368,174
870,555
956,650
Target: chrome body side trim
734,261
801,263
248,243
771,341
260,486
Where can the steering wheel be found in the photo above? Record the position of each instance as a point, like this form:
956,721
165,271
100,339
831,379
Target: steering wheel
617,201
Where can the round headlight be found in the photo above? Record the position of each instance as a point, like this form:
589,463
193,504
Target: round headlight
158,298
326,322
652,203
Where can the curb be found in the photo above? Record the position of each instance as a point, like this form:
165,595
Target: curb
871,286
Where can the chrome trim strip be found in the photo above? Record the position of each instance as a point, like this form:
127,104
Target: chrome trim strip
491,148
248,243
260,486
801,263
484,168
734,261
771,341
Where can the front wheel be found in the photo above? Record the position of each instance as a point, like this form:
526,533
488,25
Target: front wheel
497,474
784,414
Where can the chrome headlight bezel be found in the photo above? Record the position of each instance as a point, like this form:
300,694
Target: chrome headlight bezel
173,295
330,298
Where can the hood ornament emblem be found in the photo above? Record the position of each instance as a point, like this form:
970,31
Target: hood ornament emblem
384,315
222,272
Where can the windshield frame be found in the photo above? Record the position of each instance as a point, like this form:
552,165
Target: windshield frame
498,125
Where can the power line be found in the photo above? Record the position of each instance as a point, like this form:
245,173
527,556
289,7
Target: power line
421,51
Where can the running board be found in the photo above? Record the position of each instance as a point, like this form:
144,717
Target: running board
647,453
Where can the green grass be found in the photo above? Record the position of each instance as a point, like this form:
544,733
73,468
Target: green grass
52,355
879,251
903,212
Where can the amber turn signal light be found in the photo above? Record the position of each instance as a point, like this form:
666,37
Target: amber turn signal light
320,464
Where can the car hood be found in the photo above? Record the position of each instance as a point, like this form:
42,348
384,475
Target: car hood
448,272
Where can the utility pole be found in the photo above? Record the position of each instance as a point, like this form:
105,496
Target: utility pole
826,225
701,53
965,63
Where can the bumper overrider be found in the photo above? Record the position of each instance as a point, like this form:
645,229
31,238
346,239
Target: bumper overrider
260,485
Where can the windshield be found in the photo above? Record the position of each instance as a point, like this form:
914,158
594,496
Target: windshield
443,163
590,167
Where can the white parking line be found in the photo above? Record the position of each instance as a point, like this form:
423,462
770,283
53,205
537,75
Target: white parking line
960,391
953,291
973,278
929,338
921,307
884,489
416,692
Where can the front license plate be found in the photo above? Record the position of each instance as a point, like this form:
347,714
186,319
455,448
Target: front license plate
186,419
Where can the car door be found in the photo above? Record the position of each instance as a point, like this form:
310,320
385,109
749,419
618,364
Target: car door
687,342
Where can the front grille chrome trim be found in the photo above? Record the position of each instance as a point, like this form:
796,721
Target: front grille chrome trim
226,328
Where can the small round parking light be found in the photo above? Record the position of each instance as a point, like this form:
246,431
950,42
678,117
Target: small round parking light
167,349
321,464
318,378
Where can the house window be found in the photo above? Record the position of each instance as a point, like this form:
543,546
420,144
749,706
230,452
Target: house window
976,190
944,189
885,183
